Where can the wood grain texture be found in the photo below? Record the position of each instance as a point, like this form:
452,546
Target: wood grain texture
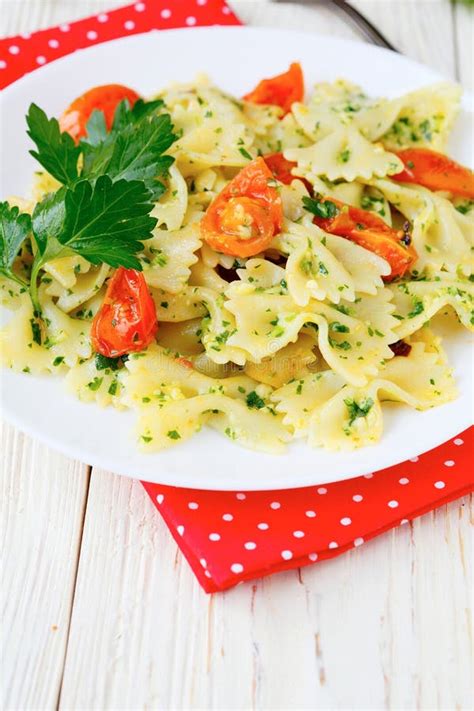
386,626
42,506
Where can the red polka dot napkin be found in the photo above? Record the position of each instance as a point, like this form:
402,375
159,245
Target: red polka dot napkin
228,537
24,53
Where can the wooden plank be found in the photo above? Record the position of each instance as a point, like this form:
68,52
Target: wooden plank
421,30
42,507
464,44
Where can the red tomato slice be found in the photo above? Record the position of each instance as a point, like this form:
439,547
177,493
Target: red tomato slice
126,321
370,231
435,171
104,98
245,216
282,90
281,169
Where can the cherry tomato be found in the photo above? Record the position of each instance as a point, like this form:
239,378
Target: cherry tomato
281,169
282,90
246,215
104,98
370,231
435,171
126,321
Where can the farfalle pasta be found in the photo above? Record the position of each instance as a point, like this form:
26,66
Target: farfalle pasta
266,266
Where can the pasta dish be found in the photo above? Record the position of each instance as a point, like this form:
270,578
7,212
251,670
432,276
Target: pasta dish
268,266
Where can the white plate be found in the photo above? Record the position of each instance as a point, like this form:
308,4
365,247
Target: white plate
235,58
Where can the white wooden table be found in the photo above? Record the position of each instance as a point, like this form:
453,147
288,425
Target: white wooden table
101,610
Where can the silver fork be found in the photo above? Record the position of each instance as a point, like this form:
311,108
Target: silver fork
357,18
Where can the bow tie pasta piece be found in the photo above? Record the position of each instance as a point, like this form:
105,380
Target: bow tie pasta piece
263,274
215,128
349,193
262,118
321,265
174,401
90,384
297,400
203,188
442,236
200,103
425,119
178,420
66,343
424,373
158,376
218,328
65,270
416,302
353,417
84,288
213,145
174,308
203,275
285,133
295,360
354,337
292,200
169,256
345,104
353,345
344,154
337,416
172,206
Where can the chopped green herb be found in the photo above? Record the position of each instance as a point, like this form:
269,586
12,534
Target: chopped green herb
245,153
339,327
255,401
321,208
173,434
344,155
358,409
102,362
35,330
343,345
95,384
417,309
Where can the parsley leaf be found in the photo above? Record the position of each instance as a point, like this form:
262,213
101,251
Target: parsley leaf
102,362
321,208
57,152
14,229
104,223
133,149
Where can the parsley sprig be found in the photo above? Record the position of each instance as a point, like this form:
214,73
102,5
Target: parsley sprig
109,182
103,222
132,150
